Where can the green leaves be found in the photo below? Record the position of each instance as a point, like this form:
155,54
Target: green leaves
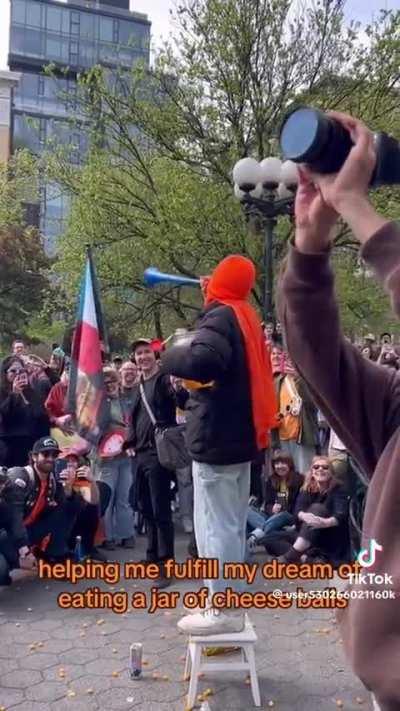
156,188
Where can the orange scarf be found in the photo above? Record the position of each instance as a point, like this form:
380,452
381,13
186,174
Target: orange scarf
231,284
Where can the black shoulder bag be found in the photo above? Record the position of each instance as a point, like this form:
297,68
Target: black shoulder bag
170,441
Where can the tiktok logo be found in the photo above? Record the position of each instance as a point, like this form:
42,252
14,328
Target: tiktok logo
367,556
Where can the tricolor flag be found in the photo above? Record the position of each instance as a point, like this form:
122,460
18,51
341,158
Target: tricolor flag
86,393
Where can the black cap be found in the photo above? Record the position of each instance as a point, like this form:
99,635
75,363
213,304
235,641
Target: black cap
45,444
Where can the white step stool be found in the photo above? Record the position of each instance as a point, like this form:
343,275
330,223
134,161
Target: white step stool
195,664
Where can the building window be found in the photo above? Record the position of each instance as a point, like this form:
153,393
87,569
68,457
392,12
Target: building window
33,15
33,43
41,86
87,26
18,11
106,29
54,19
75,23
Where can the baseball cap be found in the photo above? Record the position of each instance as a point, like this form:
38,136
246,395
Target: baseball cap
140,342
45,444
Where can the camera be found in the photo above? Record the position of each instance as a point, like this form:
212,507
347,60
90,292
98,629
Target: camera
312,137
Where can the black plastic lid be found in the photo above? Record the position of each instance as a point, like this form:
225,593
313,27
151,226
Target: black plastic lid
303,133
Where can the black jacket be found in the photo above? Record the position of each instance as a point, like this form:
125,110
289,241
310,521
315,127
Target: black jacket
10,541
333,542
22,492
219,420
336,501
270,496
21,419
163,401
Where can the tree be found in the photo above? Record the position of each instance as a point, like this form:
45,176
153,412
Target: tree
23,262
23,281
156,188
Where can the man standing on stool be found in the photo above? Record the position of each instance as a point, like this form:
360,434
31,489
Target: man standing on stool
227,424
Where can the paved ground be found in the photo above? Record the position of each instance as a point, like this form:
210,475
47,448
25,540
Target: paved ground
76,660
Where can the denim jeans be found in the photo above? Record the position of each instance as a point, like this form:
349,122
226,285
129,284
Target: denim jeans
185,491
221,494
118,518
255,519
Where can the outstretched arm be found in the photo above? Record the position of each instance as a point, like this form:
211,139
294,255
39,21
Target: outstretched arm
360,399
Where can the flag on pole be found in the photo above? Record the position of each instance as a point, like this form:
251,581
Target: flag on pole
86,393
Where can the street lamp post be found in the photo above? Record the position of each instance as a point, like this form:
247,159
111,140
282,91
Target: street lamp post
266,190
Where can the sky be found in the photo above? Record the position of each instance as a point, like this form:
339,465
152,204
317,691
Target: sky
158,13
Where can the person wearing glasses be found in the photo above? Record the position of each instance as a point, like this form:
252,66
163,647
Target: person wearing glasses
321,512
23,418
45,510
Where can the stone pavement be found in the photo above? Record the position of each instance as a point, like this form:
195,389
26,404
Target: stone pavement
77,660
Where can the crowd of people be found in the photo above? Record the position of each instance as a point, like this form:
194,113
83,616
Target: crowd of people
274,439
55,486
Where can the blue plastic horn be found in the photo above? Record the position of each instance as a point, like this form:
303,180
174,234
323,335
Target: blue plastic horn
152,277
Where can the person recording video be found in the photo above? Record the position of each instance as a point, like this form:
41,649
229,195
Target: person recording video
45,510
359,398
13,551
95,496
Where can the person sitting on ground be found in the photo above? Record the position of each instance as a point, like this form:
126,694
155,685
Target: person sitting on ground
321,512
13,552
282,489
45,510
95,496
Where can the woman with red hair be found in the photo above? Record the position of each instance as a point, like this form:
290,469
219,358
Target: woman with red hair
227,423
321,511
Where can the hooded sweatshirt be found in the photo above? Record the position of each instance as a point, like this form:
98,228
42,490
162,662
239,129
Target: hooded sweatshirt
361,401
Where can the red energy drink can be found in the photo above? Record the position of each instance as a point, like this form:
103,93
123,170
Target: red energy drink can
135,660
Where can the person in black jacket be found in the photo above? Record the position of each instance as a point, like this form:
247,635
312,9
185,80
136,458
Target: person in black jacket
45,510
13,552
281,491
321,511
23,418
227,419
153,482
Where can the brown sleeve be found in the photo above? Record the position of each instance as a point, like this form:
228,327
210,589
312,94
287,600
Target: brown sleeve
360,399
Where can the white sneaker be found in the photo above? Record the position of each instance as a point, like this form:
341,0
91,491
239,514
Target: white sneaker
212,621
196,610
252,543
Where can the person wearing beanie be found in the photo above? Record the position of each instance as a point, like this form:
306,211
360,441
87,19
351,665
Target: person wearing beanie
227,424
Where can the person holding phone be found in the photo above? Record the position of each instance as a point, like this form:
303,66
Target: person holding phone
360,399
23,418
45,507
95,499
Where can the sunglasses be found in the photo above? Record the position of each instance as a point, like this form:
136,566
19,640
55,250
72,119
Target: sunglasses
16,371
321,466
49,455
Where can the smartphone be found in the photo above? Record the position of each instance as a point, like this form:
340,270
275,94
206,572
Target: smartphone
60,466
